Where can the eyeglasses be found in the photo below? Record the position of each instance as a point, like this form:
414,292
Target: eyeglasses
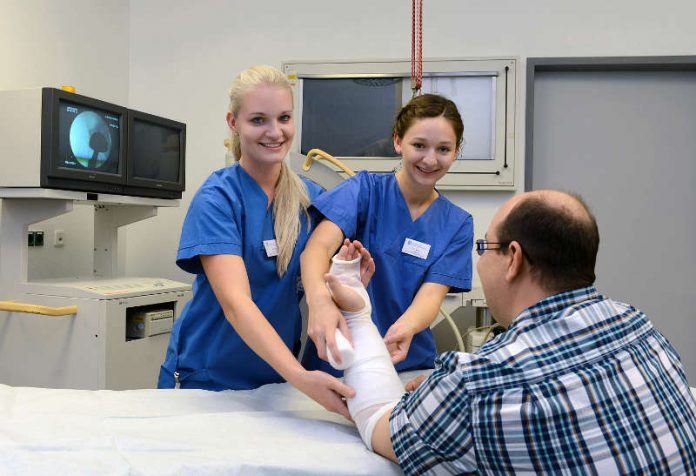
482,246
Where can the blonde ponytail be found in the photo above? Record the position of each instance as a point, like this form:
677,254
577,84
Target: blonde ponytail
291,197
233,145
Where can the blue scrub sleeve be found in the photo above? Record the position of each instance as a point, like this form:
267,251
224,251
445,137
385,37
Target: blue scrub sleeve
210,228
454,266
346,204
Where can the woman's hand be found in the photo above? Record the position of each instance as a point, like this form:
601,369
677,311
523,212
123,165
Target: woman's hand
367,265
418,317
323,320
398,340
324,317
326,390
351,250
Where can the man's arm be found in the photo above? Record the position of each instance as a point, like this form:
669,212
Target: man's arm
371,359
381,438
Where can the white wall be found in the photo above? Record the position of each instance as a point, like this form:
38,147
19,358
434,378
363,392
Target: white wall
80,43
176,58
185,54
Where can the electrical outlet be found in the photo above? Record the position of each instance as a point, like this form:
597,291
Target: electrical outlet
58,238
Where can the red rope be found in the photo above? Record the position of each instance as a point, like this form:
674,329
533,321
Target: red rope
416,46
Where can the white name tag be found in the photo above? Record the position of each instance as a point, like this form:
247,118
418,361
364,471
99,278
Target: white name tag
416,248
271,248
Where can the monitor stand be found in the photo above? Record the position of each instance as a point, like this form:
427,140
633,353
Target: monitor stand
94,347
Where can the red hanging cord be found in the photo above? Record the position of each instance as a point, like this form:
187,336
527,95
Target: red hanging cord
416,46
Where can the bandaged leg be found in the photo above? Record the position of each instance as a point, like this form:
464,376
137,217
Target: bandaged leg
371,374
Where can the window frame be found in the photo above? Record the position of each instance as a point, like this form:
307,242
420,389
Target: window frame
495,174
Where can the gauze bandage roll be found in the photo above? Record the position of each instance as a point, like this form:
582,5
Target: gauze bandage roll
346,351
372,374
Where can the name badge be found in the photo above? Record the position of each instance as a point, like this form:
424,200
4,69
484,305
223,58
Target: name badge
271,248
416,248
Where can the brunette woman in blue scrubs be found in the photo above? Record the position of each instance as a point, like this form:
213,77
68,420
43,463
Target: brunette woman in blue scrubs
421,242
242,237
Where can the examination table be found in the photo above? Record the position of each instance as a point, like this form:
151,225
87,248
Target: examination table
268,431
271,430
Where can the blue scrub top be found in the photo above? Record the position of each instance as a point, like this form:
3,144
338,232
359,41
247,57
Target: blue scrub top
229,215
370,208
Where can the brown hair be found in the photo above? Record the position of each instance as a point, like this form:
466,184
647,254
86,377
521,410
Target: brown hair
429,105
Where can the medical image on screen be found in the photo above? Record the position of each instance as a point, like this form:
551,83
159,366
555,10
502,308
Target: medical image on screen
88,139
156,152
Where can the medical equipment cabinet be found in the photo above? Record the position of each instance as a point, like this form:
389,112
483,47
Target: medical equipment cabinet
90,347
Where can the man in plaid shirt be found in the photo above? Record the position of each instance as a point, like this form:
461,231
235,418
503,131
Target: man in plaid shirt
577,384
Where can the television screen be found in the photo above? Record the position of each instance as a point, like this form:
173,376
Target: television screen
156,155
156,151
95,146
89,138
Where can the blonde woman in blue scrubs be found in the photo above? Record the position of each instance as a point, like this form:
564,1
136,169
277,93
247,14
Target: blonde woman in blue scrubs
420,242
242,237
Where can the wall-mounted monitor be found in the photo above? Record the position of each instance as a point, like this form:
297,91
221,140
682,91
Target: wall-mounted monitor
51,138
82,143
156,155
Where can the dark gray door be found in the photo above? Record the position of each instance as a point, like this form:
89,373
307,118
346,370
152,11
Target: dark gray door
626,141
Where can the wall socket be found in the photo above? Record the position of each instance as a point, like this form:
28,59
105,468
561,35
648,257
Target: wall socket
58,238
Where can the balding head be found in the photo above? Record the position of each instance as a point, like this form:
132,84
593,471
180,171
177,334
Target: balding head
558,235
571,204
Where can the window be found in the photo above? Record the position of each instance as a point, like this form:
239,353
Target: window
347,109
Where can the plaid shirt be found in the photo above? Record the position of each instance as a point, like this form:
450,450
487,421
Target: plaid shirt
578,384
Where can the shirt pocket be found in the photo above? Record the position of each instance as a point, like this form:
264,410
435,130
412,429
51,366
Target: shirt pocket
414,262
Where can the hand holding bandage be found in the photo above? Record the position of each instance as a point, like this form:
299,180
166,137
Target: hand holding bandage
343,280
371,372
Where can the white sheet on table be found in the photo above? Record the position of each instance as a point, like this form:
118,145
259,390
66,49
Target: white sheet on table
271,430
